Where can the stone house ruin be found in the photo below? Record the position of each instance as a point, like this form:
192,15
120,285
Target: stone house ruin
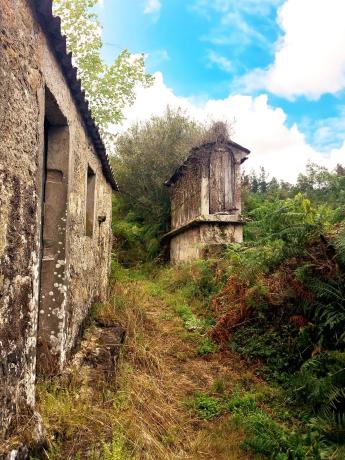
206,200
56,188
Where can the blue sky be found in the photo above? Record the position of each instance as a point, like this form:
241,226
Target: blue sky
281,62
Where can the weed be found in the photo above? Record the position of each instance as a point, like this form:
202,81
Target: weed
191,322
207,407
206,346
116,450
219,386
275,348
268,437
241,404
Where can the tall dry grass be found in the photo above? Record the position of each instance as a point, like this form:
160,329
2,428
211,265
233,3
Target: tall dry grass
141,412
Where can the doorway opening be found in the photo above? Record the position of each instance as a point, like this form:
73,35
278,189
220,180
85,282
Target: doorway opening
53,283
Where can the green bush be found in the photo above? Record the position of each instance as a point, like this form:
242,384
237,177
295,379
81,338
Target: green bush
267,437
291,271
207,407
206,346
279,349
293,222
320,384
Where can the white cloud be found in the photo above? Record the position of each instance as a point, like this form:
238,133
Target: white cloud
310,55
224,6
282,150
152,6
230,24
220,61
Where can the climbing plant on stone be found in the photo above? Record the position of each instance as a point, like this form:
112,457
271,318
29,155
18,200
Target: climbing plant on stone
109,87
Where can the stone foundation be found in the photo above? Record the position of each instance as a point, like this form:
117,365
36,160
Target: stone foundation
204,240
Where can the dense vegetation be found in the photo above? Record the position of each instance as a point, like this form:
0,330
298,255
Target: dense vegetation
278,299
282,305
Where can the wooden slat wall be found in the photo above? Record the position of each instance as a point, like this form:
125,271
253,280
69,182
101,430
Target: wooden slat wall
194,195
221,181
186,197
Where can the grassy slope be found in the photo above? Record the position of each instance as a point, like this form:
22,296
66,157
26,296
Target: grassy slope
176,395
168,398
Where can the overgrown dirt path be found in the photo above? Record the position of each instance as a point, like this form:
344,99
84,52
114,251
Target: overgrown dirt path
162,403
181,374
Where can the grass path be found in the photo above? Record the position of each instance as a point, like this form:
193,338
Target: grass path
183,374
155,408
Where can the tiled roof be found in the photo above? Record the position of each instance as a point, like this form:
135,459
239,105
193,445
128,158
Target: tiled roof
192,154
51,26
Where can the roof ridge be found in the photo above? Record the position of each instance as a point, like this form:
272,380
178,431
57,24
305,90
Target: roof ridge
178,172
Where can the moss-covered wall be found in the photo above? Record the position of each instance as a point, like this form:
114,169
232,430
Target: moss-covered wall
28,66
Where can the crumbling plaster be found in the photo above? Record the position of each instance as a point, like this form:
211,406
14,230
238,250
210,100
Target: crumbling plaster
87,261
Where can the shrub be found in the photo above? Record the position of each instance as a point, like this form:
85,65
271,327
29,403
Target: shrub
321,385
267,437
207,407
206,346
278,349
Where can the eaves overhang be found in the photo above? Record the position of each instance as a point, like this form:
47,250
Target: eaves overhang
51,26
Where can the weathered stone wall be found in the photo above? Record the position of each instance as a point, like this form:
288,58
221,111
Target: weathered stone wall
87,260
203,240
20,148
27,65
185,246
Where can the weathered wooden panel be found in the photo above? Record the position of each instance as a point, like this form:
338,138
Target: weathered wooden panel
217,183
186,197
221,181
230,185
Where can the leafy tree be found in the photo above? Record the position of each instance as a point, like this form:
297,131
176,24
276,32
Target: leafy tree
109,88
147,155
257,189
322,185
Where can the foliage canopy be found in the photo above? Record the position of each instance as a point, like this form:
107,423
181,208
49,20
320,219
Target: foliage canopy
147,155
109,87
